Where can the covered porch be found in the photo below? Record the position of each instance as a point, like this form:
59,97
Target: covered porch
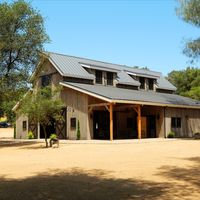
110,121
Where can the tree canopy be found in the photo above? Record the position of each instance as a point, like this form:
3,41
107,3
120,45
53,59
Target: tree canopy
187,82
22,35
189,11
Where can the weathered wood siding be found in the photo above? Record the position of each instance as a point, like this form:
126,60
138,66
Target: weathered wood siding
190,121
20,133
77,107
158,112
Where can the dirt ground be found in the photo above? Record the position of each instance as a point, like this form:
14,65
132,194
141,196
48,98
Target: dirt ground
146,169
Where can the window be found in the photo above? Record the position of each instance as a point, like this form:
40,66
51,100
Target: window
142,82
98,75
73,123
109,78
151,83
45,80
24,125
176,122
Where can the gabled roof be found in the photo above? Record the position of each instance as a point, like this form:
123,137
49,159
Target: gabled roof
72,66
119,95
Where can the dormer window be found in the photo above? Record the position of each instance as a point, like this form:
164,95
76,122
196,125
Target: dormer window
151,83
109,78
98,75
142,82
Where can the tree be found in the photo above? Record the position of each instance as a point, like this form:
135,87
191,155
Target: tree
22,35
187,82
42,106
189,11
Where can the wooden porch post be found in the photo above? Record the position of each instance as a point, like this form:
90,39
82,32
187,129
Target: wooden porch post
111,121
139,122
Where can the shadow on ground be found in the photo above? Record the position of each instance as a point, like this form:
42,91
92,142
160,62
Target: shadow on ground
4,143
78,184
189,174
90,185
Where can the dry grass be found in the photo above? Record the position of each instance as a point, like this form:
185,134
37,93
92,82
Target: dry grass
143,170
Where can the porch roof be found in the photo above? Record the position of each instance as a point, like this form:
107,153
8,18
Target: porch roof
118,95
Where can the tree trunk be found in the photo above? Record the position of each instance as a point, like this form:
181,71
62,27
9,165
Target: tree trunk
45,135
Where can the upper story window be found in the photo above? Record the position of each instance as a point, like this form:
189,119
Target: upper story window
151,84
45,80
98,75
109,78
142,82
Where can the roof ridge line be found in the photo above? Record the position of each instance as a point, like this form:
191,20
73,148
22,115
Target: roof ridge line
120,65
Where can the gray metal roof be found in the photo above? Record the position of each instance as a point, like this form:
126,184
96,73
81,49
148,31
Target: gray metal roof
73,67
114,93
162,83
69,66
124,78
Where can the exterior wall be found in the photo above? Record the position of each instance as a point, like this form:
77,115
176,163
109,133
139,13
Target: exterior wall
20,133
159,114
190,121
77,107
120,125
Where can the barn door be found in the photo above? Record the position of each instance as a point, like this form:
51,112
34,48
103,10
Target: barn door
61,125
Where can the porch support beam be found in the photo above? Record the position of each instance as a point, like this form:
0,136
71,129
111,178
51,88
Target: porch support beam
111,122
90,109
139,122
107,108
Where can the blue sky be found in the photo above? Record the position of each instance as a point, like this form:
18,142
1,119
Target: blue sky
138,32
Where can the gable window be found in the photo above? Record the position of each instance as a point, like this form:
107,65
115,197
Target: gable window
176,122
109,78
150,83
98,75
45,80
142,82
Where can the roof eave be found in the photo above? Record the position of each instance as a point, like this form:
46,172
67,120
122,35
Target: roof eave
126,101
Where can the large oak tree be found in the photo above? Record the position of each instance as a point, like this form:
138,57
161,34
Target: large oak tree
22,35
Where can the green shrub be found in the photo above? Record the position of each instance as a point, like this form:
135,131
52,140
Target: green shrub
196,135
78,133
30,135
171,134
53,136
